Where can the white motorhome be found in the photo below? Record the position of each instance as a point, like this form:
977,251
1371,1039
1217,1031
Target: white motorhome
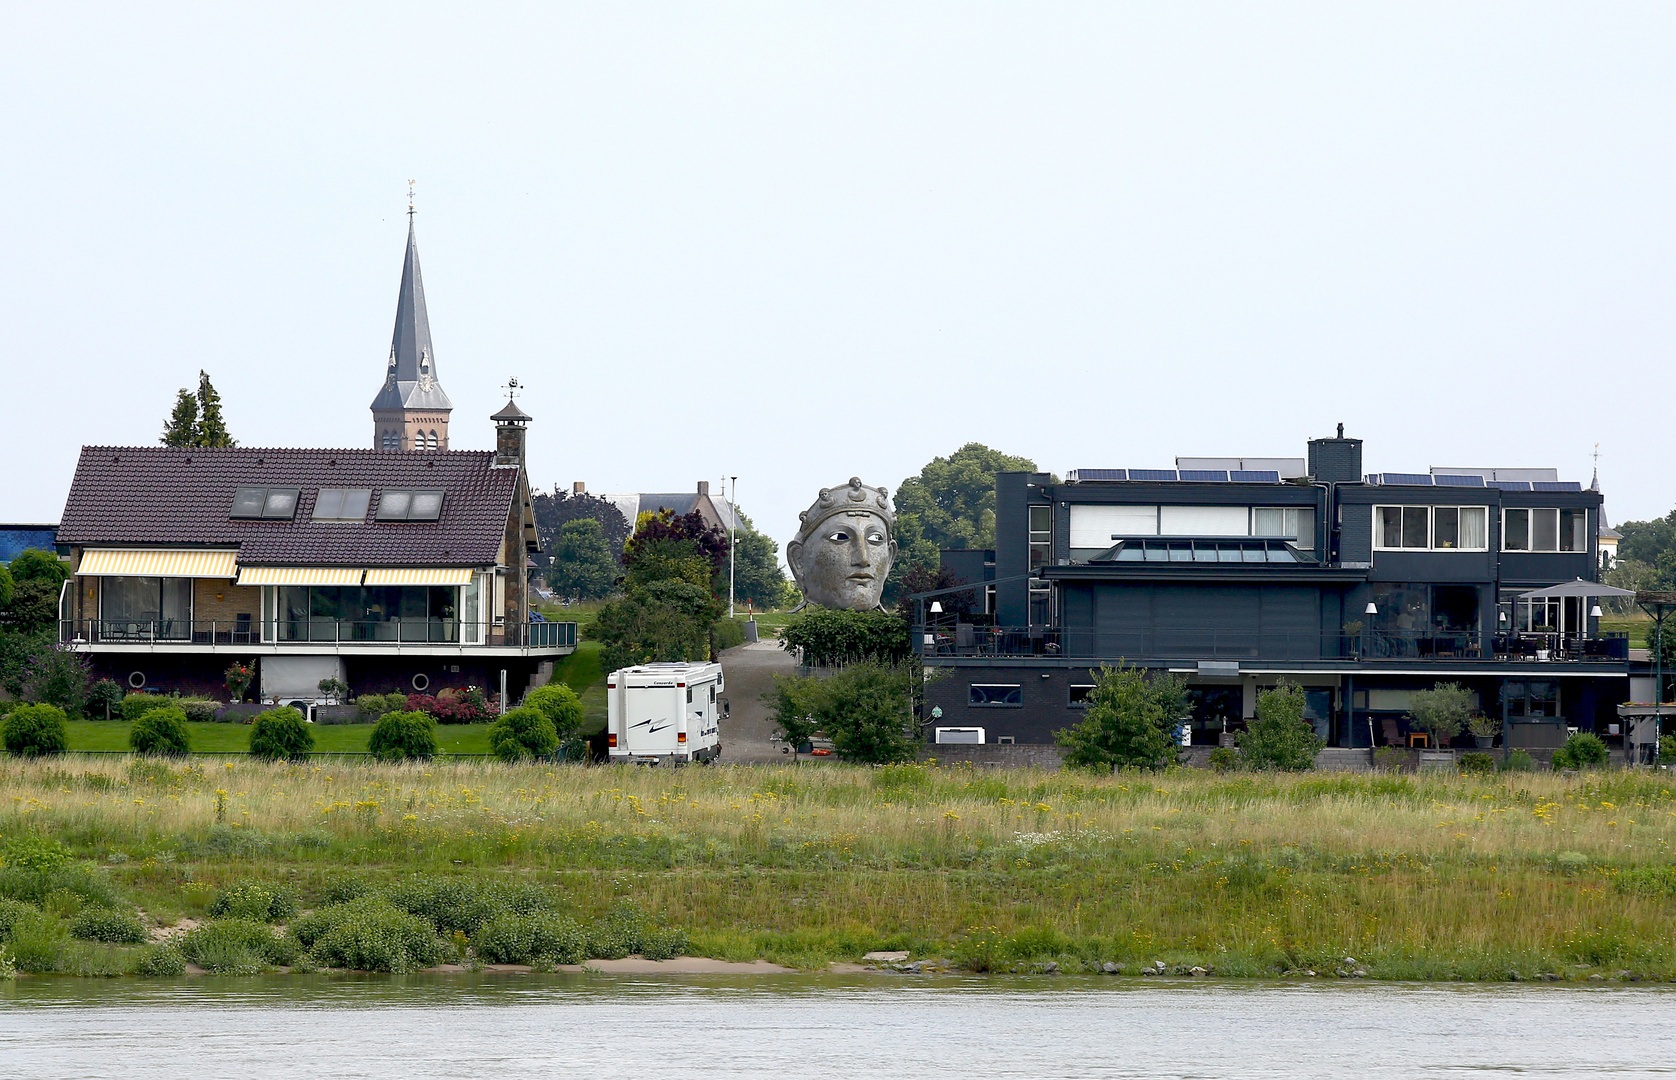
665,712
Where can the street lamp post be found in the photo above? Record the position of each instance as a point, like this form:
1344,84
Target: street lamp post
732,522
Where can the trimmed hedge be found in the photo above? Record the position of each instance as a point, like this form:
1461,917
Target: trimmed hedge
281,734
523,733
161,730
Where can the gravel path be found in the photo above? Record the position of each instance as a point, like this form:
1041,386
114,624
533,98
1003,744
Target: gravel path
750,671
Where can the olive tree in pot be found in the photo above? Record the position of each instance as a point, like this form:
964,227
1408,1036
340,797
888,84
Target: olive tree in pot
1442,711
1484,730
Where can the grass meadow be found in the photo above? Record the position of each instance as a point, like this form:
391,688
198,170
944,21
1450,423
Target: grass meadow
1416,877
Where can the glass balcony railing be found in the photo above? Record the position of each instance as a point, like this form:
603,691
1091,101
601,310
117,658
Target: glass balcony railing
386,632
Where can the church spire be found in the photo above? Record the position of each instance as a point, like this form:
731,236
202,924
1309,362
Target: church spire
411,409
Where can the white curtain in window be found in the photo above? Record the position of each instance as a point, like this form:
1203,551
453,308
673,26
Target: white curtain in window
1474,527
1205,521
1093,526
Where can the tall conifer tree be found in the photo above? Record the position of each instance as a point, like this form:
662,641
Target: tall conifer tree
182,428
212,429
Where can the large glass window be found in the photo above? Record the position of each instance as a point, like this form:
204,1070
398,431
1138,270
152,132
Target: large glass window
1041,536
1532,699
371,613
146,607
1431,528
1543,529
1005,695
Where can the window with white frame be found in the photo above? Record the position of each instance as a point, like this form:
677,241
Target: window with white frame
1431,528
1543,529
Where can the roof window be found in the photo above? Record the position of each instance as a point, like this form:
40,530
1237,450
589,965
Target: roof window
410,504
342,504
265,503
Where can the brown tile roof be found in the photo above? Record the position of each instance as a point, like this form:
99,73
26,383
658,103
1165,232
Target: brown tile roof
165,495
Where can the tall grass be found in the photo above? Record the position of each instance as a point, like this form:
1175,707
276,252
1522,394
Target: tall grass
1414,877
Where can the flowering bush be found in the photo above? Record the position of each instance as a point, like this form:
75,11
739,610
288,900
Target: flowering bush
469,706
239,677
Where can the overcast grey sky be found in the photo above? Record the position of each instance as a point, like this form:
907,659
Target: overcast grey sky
797,242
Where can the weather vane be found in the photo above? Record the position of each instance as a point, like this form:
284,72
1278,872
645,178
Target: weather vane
512,388
410,200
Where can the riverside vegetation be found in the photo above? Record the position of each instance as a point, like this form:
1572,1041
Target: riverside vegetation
391,867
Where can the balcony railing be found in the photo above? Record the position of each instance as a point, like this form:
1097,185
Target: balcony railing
1221,644
346,632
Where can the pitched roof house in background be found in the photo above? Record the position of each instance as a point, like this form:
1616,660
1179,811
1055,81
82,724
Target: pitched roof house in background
401,567
715,509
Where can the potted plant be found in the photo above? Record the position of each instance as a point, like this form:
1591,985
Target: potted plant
239,677
1441,712
1353,637
1484,730
334,690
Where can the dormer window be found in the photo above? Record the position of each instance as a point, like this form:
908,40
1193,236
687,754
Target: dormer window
265,504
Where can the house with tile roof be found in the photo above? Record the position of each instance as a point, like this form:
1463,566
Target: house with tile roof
400,567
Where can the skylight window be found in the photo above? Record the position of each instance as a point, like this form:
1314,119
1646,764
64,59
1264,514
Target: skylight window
410,504
265,503
342,504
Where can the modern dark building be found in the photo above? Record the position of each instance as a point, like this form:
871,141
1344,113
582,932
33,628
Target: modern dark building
1238,573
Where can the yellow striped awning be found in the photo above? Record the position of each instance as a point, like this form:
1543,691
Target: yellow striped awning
299,575
141,562
419,576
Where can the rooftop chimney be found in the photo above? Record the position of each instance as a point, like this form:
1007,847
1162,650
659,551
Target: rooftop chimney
704,487
1337,460
577,487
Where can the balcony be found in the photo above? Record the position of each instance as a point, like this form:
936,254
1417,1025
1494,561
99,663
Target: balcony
309,635
1191,644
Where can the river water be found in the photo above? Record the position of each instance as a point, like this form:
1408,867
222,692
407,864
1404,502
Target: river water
646,1028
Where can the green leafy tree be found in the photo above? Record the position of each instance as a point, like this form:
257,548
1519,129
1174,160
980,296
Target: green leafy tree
182,428
523,733
832,637
560,705
662,621
103,696
553,511
1131,721
403,736
212,428
1280,738
582,564
953,498
867,710
792,705
35,731
37,577
758,577
57,676
654,531
161,731
8,587
1442,711
281,734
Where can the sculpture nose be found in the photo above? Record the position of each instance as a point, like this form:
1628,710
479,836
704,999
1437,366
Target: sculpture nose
858,548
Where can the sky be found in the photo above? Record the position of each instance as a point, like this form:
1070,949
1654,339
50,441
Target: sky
798,242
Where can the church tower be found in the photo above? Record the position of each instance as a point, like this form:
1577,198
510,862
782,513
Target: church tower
411,411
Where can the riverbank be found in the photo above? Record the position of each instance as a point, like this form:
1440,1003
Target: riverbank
1412,877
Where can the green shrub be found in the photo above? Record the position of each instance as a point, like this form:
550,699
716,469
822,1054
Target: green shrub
103,698
1476,763
1583,750
1224,759
37,853
531,939
449,904
198,710
161,961
559,704
1517,761
10,912
1132,721
373,706
727,633
1279,737
1667,749
35,731
236,947
254,900
369,934
135,706
403,736
63,902
38,943
36,886
523,733
625,929
344,889
160,731
281,734
110,925
1391,758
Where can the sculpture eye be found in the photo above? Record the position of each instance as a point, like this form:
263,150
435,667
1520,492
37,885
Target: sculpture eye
840,537
875,537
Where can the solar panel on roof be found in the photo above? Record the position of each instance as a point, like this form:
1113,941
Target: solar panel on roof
1152,474
1556,485
1205,476
1457,481
1410,479
1511,485
1099,474
1254,476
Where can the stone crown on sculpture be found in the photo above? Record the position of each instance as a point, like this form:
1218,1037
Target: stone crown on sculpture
844,547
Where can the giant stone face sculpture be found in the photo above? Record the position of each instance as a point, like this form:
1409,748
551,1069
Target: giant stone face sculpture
844,548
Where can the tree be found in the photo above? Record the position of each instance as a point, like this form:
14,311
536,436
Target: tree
757,575
554,511
654,532
662,621
182,428
161,731
523,733
950,504
581,563
560,705
867,710
1280,738
792,705
1441,711
37,578
55,675
281,734
1131,721
212,429
403,736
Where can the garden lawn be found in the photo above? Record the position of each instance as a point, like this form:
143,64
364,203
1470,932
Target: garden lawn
97,735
